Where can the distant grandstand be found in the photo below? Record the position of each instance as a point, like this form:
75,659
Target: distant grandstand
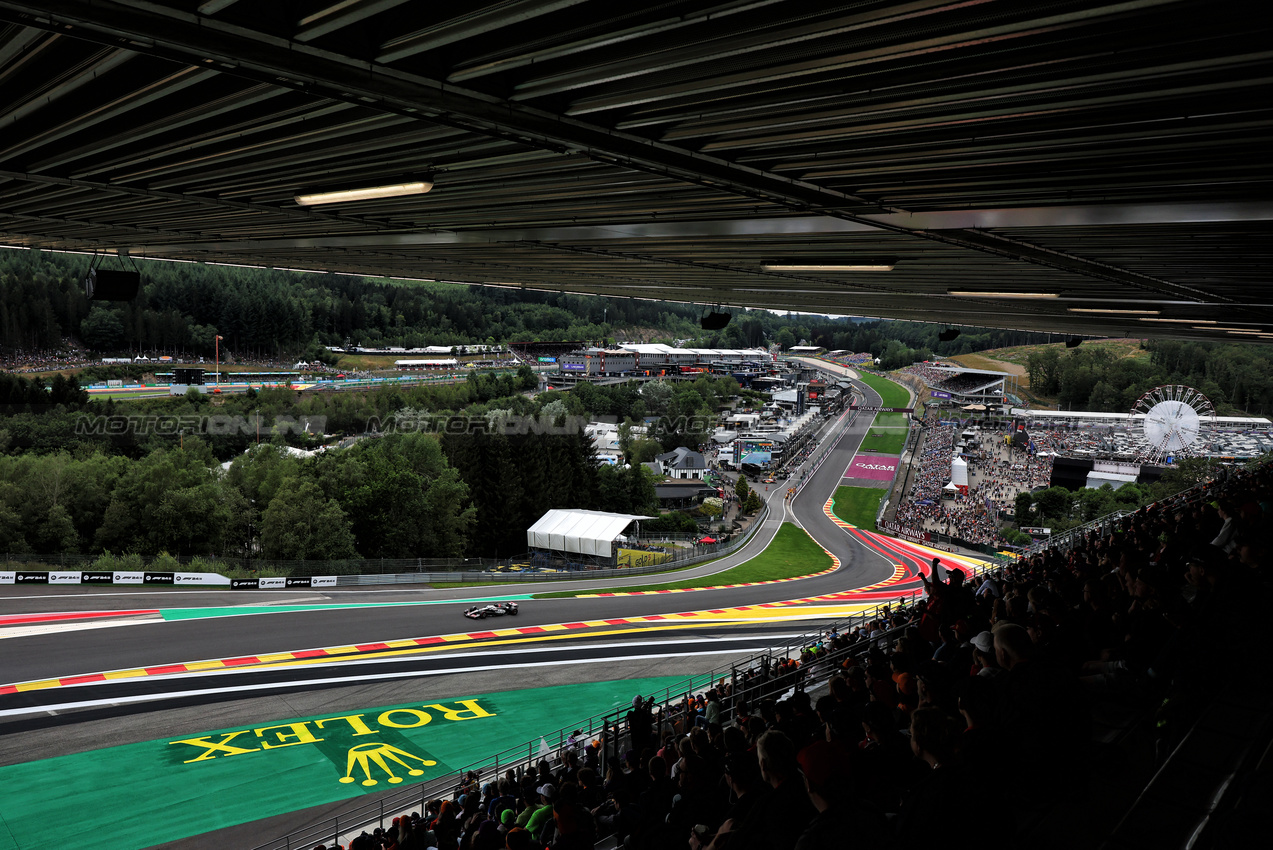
961,385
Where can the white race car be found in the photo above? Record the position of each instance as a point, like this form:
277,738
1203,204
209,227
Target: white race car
493,609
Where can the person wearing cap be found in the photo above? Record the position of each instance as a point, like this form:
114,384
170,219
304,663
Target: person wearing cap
983,656
640,724
543,813
1227,512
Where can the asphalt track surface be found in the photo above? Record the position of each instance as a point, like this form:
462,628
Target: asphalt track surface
65,719
64,654
73,653
59,720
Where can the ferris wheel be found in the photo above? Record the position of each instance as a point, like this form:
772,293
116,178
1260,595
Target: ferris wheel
1173,416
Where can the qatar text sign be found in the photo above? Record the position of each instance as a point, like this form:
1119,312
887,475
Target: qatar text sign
872,468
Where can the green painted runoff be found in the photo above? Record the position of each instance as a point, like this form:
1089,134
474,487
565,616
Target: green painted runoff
139,795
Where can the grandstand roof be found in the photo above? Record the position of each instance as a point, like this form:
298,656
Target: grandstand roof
578,531
1111,156
964,370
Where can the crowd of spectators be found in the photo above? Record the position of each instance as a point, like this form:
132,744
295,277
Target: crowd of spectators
71,357
988,677
997,472
965,383
945,381
21,360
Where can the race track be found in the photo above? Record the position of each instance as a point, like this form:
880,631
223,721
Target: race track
117,665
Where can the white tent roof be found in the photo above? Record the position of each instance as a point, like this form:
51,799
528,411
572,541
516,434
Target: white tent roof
578,531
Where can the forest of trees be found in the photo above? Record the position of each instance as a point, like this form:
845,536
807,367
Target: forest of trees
69,485
268,312
404,490
1237,378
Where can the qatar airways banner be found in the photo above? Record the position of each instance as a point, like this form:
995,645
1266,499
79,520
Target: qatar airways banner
872,467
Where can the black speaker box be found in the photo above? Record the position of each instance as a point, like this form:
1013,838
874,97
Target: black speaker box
112,285
715,321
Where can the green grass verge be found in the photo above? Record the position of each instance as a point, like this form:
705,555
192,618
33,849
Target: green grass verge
884,442
791,554
858,505
891,394
890,420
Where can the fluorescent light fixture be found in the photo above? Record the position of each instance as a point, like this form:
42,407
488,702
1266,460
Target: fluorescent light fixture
1251,333
827,267
965,293
1112,312
167,260
302,271
1179,321
1237,330
235,265
340,196
415,279
17,247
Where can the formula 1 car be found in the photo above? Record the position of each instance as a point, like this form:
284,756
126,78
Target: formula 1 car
494,609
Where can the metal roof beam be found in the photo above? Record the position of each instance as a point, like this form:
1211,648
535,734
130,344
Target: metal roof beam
187,37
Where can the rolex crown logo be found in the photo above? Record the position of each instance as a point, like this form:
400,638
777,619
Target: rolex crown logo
364,755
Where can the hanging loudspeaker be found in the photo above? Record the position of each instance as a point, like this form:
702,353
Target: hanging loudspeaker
112,284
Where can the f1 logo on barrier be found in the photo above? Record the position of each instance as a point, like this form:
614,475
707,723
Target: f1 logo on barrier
276,583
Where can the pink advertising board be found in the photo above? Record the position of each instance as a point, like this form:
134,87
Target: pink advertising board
872,467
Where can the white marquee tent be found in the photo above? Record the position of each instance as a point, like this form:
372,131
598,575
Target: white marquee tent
580,532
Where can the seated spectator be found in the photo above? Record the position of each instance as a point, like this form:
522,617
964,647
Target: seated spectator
932,815
983,654
1042,716
788,810
518,839
573,822
843,818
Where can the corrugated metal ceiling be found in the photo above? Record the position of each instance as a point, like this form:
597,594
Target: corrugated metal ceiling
1115,155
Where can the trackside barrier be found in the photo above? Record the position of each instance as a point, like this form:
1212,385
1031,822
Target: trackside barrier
703,552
